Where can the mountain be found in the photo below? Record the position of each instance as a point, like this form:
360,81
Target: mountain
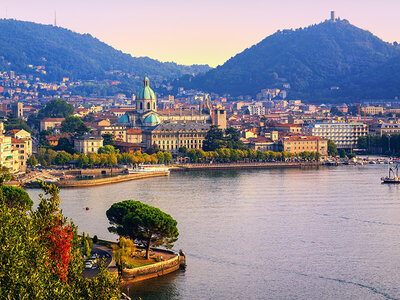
313,61
64,53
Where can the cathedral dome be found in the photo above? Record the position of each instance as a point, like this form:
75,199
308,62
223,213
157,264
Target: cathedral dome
151,120
146,93
123,119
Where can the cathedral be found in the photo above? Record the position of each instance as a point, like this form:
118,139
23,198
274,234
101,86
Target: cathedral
146,114
170,129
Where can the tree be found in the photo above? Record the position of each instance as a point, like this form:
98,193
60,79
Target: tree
83,161
332,148
56,108
182,149
167,157
40,258
15,123
32,161
108,139
232,138
50,156
62,158
214,139
160,157
65,145
144,224
112,159
73,124
16,198
108,149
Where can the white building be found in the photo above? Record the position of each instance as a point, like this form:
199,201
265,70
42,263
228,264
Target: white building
345,135
254,109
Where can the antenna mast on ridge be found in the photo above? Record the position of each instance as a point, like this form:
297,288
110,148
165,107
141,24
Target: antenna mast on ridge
55,18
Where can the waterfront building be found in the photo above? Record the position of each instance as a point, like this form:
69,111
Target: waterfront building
345,135
303,143
171,136
88,143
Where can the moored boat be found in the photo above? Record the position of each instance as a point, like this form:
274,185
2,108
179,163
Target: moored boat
393,176
148,168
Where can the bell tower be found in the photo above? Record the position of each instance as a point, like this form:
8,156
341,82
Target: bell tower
146,99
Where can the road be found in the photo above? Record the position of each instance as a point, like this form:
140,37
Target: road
101,251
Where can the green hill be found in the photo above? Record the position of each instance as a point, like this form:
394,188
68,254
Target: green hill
64,53
312,60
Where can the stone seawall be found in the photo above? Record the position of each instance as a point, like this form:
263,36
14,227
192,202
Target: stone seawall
233,166
109,180
154,270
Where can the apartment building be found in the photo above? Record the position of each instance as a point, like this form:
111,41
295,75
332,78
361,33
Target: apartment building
345,135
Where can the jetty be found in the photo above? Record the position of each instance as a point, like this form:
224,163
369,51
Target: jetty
66,183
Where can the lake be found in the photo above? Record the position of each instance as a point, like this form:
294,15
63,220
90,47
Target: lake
326,233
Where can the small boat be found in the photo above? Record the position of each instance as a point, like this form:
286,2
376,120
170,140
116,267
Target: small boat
393,176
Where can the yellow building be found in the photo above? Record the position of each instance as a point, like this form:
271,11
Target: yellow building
171,136
302,143
8,156
372,110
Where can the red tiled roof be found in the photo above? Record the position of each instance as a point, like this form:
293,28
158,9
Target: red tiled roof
259,139
302,138
133,131
52,120
16,141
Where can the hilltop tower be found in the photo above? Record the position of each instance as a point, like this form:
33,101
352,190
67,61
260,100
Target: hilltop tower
333,17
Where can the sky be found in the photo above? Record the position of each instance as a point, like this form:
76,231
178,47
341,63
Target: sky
199,32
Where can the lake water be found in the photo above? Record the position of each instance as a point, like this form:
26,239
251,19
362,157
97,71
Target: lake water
327,233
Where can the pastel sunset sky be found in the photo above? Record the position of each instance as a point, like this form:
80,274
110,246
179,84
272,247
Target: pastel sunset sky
199,32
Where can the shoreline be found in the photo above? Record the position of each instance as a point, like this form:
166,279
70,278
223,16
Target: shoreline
242,166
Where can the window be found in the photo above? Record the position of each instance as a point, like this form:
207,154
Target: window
148,105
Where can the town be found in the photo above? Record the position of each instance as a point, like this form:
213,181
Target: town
34,124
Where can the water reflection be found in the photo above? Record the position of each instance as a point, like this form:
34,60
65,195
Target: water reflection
327,233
